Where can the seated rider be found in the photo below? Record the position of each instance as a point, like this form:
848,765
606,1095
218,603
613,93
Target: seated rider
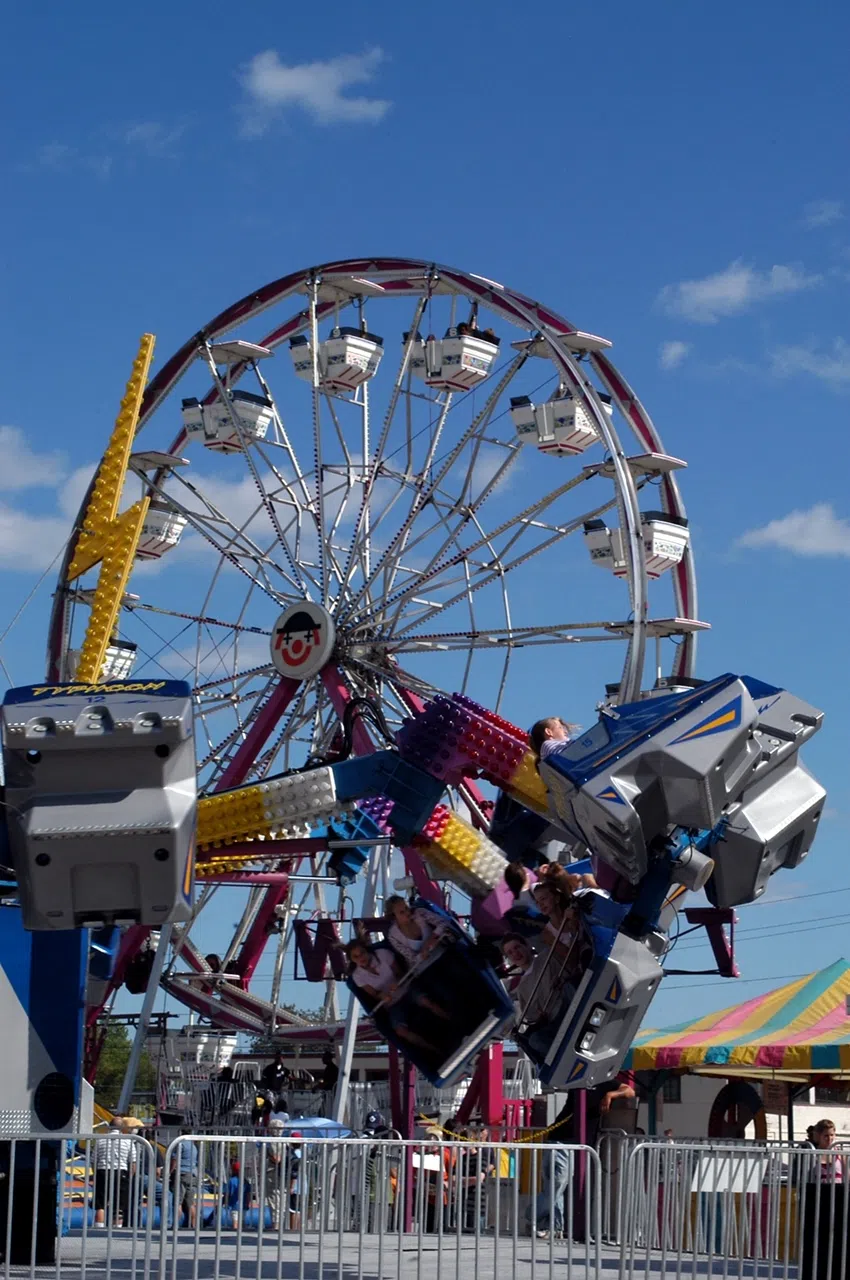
551,735
414,932
523,916
520,881
571,882
541,997
376,971
556,903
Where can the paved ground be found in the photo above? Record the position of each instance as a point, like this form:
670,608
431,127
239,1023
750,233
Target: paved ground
349,1257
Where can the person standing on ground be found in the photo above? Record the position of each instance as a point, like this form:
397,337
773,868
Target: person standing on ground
275,1074
113,1156
601,1106
330,1074
184,1181
274,1170
825,1221
546,1216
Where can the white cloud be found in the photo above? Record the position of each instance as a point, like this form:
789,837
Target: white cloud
156,140
672,354
822,213
58,157
317,88
238,500
222,658
816,532
22,468
74,489
732,291
30,543
832,365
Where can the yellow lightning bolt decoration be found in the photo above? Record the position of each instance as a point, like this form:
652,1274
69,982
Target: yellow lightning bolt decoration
105,537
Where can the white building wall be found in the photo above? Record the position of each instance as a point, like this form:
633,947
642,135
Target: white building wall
689,1118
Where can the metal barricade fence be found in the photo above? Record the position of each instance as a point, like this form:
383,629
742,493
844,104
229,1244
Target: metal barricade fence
74,1204
741,1209
378,1208
615,1147
226,1206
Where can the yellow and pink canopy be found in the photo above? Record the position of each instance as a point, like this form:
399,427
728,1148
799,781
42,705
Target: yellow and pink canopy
802,1028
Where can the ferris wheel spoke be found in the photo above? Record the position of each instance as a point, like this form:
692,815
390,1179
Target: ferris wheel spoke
214,745
470,604
237,544
373,464
430,486
503,569
490,637
266,760
393,675
290,532
222,751
318,455
237,679
265,500
467,518
407,481
519,523
340,495
284,443
391,564
200,618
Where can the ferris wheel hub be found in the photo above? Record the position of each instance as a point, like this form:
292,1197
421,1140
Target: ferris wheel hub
302,640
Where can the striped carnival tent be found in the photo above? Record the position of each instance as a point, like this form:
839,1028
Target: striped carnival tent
793,1033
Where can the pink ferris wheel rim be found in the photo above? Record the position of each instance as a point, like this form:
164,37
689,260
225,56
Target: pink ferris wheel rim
513,306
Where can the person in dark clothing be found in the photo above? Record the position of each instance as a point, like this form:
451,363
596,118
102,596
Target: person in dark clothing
599,1102
276,1075
330,1074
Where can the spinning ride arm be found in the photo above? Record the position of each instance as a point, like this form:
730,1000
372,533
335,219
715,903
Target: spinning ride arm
666,791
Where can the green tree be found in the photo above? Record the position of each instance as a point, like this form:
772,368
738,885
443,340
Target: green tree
112,1068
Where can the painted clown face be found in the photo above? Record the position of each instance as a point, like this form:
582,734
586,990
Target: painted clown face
302,641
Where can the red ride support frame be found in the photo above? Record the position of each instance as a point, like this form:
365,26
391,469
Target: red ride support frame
485,1088
233,776
259,733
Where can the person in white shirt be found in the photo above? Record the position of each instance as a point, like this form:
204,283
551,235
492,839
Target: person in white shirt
551,736
113,1157
375,971
272,1155
414,932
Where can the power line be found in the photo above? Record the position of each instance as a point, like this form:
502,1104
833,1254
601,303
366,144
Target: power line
798,897
767,932
774,977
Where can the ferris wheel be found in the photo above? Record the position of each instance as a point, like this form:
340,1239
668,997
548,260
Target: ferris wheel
389,487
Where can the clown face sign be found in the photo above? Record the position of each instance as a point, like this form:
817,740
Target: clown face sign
302,640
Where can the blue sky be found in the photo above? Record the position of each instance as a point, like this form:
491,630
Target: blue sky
673,177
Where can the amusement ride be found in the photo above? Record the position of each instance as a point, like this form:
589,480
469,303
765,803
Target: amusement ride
321,540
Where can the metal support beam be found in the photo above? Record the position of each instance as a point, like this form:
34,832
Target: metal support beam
353,1015
144,1021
